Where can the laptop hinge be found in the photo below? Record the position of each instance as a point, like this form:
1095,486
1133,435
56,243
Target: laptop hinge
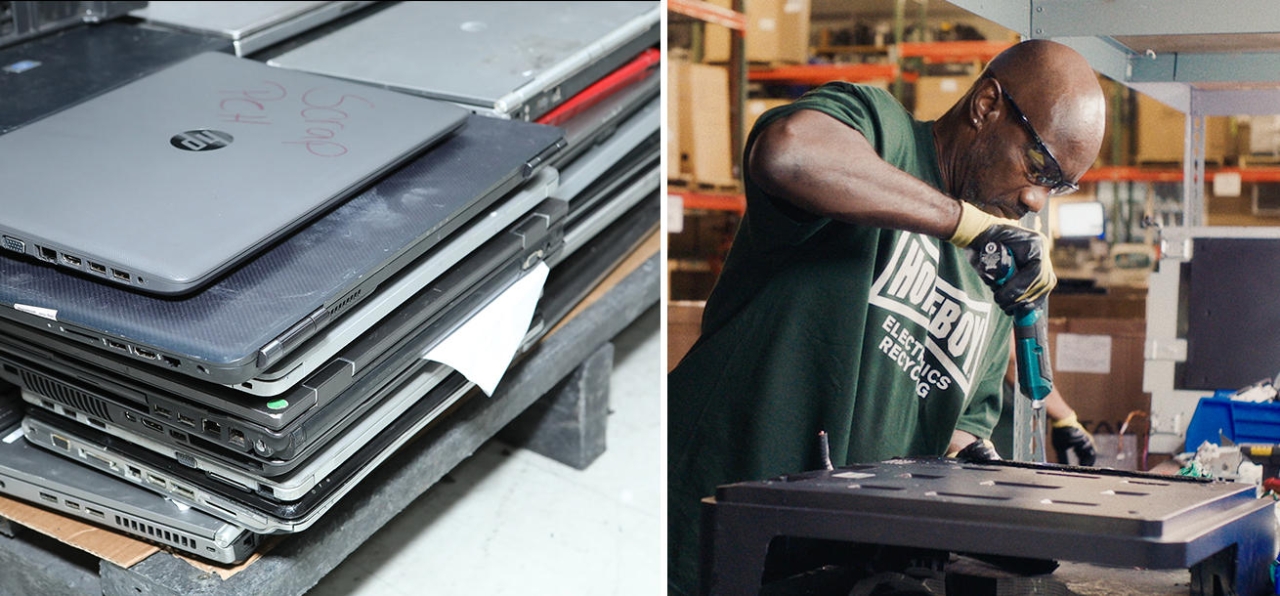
300,332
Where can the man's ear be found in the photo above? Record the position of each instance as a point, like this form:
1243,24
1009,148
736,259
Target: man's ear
984,102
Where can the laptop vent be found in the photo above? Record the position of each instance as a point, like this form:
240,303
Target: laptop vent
346,303
67,395
161,534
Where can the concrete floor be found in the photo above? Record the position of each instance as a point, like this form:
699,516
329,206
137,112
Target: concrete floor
510,521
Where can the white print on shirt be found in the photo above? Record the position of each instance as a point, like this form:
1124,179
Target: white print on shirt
953,325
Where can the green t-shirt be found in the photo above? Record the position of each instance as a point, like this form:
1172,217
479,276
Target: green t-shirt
885,340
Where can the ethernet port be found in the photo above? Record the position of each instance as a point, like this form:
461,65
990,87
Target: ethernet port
47,253
211,428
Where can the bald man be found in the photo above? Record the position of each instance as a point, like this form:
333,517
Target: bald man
849,303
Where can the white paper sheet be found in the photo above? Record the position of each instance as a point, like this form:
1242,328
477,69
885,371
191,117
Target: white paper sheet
482,348
1083,353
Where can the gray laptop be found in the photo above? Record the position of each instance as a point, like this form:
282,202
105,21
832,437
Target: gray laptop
250,26
166,182
31,474
504,59
340,467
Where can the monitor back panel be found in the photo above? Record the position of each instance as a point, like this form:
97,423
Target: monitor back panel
250,318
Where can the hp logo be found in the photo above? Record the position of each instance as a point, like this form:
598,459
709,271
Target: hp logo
200,140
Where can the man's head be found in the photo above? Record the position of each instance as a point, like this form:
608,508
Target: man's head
1029,127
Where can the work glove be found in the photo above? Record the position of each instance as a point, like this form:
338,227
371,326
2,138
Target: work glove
978,451
1033,275
1069,435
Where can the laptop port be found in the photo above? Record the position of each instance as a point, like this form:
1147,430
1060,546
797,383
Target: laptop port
151,424
61,442
48,254
121,275
95,512
148,354
161,411
186,420
211,427
48,497
117,345
71,504
97,267
14,244
134,473
74,261
237,438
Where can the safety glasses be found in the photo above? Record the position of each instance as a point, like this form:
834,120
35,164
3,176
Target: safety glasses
1045,170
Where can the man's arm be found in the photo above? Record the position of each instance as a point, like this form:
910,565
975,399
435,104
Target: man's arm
826,168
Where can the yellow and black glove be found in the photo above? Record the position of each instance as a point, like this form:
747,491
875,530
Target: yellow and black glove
1069,436
1033,275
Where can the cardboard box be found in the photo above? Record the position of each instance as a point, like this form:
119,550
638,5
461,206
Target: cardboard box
777,32
674,160
754,108
1097,367
684,323
704,126
1161,134
936,94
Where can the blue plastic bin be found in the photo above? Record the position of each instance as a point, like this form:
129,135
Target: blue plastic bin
1240,421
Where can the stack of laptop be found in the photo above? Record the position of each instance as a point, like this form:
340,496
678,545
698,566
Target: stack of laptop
229,307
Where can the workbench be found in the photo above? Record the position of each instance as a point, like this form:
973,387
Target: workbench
564,380
1028,516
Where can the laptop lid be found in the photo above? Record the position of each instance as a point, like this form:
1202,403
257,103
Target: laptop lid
250,26
226,501
505,59
35,475
248,320
182,174
58,70
270,437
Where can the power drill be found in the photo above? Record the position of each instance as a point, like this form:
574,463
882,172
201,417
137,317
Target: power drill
1030,329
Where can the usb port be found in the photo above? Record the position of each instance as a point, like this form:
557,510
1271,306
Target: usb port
97,267
48,497
121,275
153,425
184,492
187,420
71,504
161,411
